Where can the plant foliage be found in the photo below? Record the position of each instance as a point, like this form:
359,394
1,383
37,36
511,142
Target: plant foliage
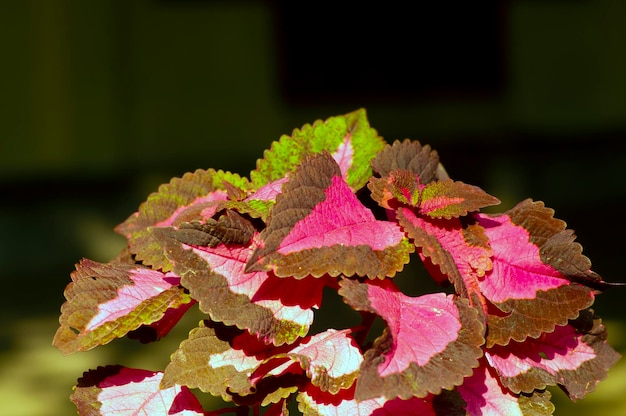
333,207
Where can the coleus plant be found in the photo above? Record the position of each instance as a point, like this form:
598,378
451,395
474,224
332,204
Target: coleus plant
334,208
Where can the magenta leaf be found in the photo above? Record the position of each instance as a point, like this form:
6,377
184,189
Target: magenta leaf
539,278
120,391
485,396
256,255
459,251
498,264
318,227
276,310
575,356
106,301
194,197
430,344
348,138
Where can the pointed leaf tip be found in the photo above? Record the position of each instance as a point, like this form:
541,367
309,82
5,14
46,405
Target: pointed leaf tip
348,138
318,226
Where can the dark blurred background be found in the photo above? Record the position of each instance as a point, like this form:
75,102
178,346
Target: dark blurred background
103,100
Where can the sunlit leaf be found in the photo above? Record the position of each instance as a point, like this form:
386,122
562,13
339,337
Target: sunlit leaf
277,310
106,301
431,341
349,138
120,391
318,227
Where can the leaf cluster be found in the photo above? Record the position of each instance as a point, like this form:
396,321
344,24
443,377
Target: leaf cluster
333,207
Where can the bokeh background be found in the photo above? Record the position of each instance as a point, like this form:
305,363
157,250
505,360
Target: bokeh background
103,100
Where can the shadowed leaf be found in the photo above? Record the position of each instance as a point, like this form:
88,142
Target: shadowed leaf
194,197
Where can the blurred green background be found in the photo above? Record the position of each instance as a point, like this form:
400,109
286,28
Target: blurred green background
102,100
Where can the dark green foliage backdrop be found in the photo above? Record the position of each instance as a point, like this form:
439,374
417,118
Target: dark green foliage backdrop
106,99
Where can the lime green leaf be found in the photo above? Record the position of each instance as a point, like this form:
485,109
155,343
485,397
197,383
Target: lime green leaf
348,138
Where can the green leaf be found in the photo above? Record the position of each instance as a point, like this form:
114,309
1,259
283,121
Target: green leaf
348,138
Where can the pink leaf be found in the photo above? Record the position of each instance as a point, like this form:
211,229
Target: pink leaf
318,226
277,310
575,356
461,252
106,301
344,156
120,391
330,359
527,283
485,396
312,401
431,343
497,264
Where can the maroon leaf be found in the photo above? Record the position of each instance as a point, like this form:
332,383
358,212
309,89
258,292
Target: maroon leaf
106,301
120,391
318,227
431,342
411,156
438,199
400,187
